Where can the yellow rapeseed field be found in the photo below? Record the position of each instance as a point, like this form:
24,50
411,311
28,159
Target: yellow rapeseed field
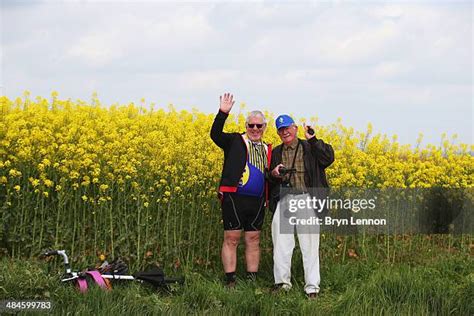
75,171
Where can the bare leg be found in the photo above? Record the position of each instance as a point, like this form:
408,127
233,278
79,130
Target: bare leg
229,250
252,250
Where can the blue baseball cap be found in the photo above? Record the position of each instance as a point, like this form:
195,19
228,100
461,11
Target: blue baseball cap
283,121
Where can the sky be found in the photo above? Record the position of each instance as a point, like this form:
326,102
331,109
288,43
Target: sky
404,66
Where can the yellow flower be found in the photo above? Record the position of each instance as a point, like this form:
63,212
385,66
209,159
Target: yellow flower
125,146
34,182
17,188
14,173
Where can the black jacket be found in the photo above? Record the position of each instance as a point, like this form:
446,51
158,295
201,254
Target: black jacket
317,156
235,154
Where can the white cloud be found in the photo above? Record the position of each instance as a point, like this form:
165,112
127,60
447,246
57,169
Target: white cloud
390,69
121,35
97,49
386,11
211,79
337,58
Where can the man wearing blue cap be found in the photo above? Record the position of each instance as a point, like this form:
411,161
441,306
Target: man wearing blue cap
297,174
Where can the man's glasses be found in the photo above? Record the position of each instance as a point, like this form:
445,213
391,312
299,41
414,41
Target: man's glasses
259,126
281,130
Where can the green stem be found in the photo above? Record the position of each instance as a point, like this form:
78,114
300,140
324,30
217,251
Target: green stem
74,208
42,225
139,233
344,249
58,213
34,225
111,229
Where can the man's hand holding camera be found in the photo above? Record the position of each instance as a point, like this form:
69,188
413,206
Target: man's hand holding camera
308,131
281,171
276,171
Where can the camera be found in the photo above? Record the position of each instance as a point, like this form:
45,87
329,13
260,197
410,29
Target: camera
284,171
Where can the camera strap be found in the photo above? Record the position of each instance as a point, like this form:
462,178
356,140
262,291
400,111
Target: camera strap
294,159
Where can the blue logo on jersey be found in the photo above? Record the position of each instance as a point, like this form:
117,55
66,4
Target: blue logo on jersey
252,182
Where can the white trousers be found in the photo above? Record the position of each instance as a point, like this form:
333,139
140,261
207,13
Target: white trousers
284,243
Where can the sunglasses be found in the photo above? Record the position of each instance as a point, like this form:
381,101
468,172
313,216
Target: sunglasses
259,126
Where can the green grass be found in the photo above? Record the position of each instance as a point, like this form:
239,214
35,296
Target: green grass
432,281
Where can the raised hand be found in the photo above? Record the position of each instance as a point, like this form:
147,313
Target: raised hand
308,131
226,102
